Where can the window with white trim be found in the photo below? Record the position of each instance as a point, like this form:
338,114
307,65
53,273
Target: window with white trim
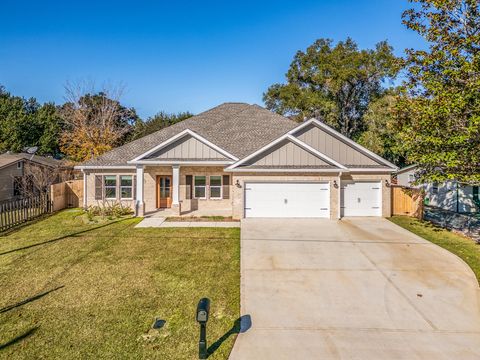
435,187
216,187
110,185
126,187
411,178
19,165
200,187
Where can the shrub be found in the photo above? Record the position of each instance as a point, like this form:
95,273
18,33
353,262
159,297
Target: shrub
114,210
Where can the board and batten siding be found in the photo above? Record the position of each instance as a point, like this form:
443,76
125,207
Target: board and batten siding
187,148
289,154
333,147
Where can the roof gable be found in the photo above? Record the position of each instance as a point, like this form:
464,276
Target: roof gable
287,153
338,147
183,144
187,148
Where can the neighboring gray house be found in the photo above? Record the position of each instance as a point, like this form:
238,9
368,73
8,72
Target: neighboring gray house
242,160
449,195
13,168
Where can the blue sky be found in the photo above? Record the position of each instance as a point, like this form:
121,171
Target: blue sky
179,56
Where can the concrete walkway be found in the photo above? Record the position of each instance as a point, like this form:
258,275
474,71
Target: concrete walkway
353,289
161,223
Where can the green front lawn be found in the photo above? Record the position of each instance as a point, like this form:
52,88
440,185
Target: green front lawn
70,289
461,246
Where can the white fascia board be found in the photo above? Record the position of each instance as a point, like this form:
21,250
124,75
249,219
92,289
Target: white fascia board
371,170
338,135
179,136
180,162
406,168
286,170
315,152
88,167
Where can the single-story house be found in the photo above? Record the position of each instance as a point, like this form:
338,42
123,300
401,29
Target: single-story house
15,167
449,195
242,160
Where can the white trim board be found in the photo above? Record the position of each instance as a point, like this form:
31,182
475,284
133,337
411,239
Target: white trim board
179,136
345,139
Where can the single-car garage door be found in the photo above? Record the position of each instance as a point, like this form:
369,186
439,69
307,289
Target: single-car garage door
361,198
287,200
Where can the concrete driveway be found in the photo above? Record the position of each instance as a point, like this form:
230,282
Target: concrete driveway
359,288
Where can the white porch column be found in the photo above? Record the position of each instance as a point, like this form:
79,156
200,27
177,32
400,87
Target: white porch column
175,185
140,203
340,196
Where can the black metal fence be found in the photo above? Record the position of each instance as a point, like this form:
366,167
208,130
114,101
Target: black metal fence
19,211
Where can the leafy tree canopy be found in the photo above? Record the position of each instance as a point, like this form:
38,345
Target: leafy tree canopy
158,122
381,135
439,112
334,82
25,123
94,124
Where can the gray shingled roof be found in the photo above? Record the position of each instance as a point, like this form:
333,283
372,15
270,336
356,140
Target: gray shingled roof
238,128
11,158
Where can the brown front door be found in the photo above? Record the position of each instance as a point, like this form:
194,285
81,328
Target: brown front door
164,191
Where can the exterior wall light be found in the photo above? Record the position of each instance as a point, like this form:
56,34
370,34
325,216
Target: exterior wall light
237,184
335,184
387,183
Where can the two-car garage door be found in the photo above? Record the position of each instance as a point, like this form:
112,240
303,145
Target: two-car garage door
307,200
287,200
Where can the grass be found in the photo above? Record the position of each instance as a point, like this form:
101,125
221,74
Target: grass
461,246
72,289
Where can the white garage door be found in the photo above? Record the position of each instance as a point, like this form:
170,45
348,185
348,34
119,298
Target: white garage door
361,198
287,200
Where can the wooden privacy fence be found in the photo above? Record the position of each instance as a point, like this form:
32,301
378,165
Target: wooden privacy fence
407,201
16,212
67,194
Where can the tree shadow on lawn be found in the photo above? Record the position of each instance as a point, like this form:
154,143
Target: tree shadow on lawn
62,237
30,299
241,325
19,338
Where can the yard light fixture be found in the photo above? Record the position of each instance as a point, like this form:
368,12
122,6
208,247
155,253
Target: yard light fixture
203,310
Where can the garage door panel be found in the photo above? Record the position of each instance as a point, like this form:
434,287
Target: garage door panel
287,200
361,198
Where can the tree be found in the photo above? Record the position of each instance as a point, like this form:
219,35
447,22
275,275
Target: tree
26,123
95,122
380,135
158,122
334,83
439,110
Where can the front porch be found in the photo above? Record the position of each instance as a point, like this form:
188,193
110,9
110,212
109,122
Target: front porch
188,190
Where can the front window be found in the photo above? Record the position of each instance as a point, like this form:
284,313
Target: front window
126,187
215,187
110,183
435,187
200,187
